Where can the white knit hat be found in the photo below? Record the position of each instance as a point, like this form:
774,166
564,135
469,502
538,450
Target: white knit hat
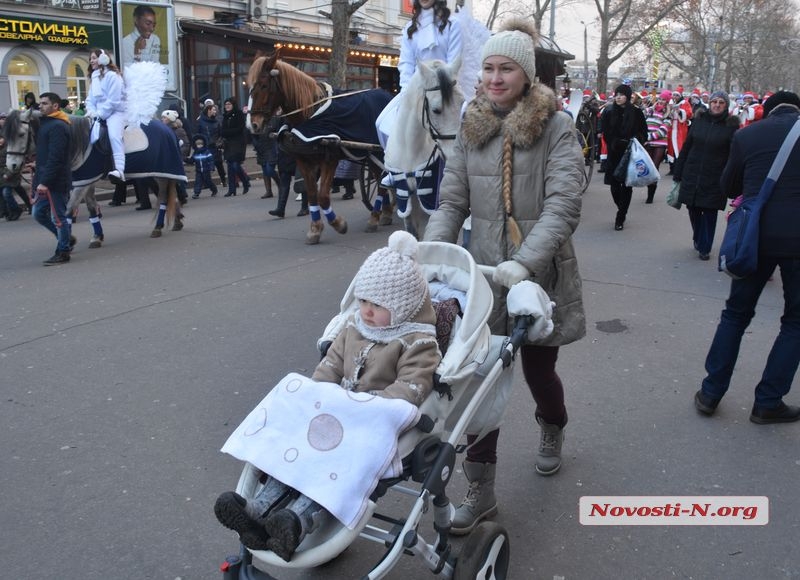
172,116
515,41
390,278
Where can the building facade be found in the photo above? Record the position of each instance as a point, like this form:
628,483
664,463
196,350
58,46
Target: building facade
208,45
44,45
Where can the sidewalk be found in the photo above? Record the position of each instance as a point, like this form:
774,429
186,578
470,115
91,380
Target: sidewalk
105,189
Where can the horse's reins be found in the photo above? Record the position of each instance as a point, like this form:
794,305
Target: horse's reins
325,99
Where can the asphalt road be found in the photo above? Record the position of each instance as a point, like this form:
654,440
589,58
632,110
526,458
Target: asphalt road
124,371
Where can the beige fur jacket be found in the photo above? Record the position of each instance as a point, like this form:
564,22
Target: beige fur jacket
397,362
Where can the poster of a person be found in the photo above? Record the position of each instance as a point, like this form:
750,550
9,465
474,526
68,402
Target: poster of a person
142,44
145,34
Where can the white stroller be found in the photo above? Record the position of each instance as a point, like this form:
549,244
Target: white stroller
466,378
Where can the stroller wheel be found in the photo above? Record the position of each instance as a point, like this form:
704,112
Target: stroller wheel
486,554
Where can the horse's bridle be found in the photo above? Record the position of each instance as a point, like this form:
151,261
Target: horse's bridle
28,140
273,88
426,115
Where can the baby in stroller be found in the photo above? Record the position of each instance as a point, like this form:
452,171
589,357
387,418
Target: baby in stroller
387,348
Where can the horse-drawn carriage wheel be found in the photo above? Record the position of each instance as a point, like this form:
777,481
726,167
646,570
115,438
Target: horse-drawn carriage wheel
369,187
485,555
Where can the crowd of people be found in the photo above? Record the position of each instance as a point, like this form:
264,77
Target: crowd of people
661,121
517,172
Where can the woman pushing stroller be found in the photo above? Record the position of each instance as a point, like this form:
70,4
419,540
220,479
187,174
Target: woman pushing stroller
517,169
387,348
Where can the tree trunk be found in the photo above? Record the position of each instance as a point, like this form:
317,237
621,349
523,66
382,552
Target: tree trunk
340,17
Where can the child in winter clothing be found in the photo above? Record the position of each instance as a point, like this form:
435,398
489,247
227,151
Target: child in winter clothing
387,348
203,159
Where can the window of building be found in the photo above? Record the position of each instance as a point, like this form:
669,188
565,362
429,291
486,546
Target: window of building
23,77
77,83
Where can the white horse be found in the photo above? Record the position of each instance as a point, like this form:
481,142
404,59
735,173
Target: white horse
428,118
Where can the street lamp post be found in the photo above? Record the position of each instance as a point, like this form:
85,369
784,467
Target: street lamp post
585,58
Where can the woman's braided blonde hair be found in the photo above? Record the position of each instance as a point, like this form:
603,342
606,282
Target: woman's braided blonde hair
508,177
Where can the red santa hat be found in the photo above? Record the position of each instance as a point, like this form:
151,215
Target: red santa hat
749,94
696,91
678,90
587,92
767,95
704,94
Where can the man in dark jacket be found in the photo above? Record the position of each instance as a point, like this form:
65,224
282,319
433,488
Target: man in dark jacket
53,177
753,150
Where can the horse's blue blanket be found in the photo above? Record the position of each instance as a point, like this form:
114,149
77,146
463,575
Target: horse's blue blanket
162,158
350,118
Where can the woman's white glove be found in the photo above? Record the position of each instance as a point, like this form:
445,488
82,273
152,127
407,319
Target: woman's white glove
509,273
528,298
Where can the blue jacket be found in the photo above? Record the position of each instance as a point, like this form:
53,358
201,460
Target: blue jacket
53,155
203,157
753,150
209,128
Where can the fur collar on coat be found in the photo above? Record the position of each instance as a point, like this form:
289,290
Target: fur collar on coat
524,124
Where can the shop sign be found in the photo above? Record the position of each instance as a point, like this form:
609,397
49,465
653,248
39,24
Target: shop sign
63,33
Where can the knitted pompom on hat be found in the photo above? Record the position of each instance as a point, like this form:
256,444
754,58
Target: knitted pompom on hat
390,277
171,116
515,40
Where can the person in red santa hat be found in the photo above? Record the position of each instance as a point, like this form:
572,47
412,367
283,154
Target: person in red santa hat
750,111
679,114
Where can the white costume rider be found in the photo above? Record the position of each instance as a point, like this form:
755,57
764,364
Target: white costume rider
106,101
426,43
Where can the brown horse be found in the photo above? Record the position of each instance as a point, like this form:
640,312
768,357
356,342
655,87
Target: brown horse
321,129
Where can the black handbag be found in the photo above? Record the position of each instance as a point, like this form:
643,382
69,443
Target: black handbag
621,171
738,253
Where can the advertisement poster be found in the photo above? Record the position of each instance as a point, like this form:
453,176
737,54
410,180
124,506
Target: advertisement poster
146,34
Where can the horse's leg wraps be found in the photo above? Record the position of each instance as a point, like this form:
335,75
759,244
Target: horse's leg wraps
376,207
314,211
96,226
162,211
330,215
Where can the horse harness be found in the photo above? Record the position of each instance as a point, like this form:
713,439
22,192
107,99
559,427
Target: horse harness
426,115
29,139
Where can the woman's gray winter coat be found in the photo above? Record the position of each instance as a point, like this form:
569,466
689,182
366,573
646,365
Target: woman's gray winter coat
548,181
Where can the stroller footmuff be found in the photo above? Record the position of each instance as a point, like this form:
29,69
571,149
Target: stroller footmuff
473,366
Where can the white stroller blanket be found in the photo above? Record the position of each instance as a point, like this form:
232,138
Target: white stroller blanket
330,444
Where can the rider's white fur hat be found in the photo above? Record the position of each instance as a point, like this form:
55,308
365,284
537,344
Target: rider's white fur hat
391,278
515,40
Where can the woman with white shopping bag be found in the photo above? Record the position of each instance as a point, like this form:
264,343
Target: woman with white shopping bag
620,123
430,34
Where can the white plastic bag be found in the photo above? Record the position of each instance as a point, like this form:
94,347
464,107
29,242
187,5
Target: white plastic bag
641,169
